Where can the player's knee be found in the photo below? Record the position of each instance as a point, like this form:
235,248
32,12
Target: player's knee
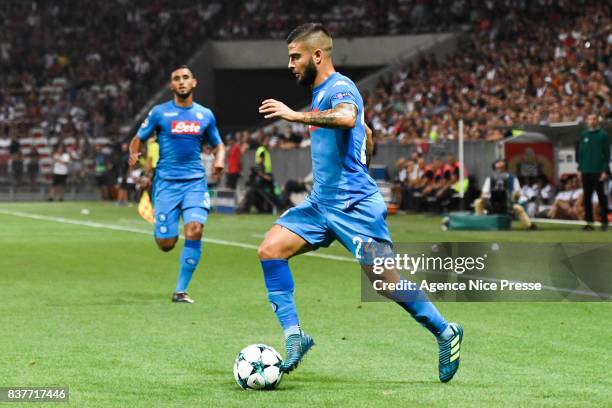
193,231
268,250
166,244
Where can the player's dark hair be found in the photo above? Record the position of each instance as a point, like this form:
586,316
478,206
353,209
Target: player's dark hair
183,66
305,30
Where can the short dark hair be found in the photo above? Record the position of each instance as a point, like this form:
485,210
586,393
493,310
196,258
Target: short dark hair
184,66
305,30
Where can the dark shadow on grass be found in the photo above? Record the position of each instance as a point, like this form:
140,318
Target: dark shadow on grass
307,381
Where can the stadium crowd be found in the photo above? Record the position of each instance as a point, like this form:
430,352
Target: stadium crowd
76,73
551,65
538,62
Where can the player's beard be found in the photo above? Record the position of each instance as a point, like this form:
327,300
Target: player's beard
309,75
183,95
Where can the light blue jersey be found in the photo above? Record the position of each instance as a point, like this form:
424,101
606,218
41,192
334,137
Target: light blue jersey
339,155
180,180
345,204
180,134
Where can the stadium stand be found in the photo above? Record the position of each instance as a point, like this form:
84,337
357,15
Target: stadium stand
77,72
518,63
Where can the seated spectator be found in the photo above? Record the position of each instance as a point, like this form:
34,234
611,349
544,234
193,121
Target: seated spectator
567,203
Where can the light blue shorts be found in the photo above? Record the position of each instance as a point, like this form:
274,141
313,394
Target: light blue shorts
355,227
173,198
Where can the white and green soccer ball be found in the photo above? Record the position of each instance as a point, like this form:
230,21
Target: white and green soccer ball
258,367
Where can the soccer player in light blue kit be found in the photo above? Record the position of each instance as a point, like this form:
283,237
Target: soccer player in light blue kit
180,188
344,204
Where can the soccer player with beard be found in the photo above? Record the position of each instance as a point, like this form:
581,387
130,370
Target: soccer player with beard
180,187
345,203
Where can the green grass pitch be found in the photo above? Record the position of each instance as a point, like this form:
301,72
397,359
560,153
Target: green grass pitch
89,307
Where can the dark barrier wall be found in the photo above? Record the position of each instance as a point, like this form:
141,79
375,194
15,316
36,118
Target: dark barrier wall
478,155
295,164
239,92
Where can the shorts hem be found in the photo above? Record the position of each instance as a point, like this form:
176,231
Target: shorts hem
299,234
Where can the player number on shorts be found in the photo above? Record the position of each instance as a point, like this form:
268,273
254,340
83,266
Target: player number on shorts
357,242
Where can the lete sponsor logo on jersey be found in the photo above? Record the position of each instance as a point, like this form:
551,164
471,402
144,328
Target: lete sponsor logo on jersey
185,127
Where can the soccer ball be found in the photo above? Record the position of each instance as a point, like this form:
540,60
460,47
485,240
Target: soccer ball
257,367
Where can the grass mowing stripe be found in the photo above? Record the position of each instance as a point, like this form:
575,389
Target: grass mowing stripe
251,246
92,224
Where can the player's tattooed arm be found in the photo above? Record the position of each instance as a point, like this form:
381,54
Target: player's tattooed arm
369,145
343,116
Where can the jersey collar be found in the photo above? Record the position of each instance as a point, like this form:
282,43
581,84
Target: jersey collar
181,107
321,85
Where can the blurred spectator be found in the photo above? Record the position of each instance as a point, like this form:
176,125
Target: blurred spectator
234,163
122,167
17,168
61,163
133,181
15,146
208,157
538,197
33,166
261,191
101,164
567,204
262,155
293,188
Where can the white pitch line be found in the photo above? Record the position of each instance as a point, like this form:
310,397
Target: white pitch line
114,227
562,222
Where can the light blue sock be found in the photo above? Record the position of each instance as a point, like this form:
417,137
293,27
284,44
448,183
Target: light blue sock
188,263
279,284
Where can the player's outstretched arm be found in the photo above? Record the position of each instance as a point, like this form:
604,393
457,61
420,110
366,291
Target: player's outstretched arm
134,151
343,116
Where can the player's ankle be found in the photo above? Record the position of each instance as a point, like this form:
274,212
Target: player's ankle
293,330
446,334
